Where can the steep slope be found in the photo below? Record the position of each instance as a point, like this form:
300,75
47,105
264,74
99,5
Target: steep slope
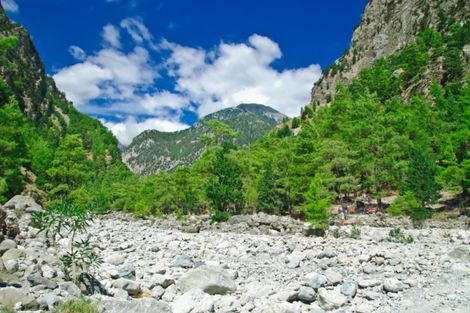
154,151
25,89
386,27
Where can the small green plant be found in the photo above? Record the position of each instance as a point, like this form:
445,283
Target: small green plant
81,305
448,236
7,309
336,232
355,233
65,219
219,216
397,235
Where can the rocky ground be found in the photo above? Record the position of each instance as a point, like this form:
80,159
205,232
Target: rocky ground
255,263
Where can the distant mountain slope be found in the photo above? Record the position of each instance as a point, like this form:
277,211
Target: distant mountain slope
387,27
27,91
154,151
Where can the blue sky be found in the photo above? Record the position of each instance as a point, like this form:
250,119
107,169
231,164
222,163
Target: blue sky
143,64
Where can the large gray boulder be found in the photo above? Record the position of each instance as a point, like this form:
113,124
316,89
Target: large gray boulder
210,279
331,299
22,204
193,301
132,287
145,305
11,296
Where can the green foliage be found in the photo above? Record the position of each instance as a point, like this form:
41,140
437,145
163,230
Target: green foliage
81,305
7,309
295,123
269,198
397,235
225,189
13,150
336,232
355,233
317,202
219,216
284,131
65,219
404,205
69,167
421,177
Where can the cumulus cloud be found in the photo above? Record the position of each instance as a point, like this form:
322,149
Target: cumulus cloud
77,53
10,6
239,73
111,36
122,84
127,130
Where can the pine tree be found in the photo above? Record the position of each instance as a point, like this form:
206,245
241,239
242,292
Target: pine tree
225,189
317,202
268,195
421,177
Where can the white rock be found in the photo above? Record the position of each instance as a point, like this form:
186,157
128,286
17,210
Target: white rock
194,301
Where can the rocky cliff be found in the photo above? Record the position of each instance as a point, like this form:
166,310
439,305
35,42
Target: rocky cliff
153,151
386,27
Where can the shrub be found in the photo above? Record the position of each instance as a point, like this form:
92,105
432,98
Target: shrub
295,123
219,216
403,205
355,233
336,232
81,305
65,219
397,235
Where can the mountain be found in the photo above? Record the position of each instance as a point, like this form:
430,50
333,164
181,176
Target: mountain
41,130
153,151
386,28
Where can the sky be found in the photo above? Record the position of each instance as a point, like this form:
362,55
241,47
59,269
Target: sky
163,64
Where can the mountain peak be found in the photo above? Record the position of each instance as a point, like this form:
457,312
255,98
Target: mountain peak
153,151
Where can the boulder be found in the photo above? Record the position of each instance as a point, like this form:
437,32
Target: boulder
316,280
48,301
333,277
126,271
38,280
331,299
133,288
306,294
7,244
114,259
211,280
22,204
194,301
183,261
11,296
144,305
349,288
367,283
393,285
89,285
70,288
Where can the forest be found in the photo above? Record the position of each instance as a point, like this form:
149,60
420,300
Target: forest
370,139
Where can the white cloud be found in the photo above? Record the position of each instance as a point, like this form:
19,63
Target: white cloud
109,74
114,82
127,130
111,36
239,73
10,6
138,31
77,53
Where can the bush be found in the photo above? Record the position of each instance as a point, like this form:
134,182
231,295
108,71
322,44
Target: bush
219,216
397,235
404,205
81,305
355,233
65,219
295,123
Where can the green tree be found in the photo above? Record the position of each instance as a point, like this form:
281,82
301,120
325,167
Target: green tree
13,150
225,189
219,132
69,167
421,177
268,195
317,203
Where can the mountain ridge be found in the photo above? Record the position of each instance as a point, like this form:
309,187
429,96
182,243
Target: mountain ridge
151,152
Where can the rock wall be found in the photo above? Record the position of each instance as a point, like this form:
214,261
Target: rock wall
386,27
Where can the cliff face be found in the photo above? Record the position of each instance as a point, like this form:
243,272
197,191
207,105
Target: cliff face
386,27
